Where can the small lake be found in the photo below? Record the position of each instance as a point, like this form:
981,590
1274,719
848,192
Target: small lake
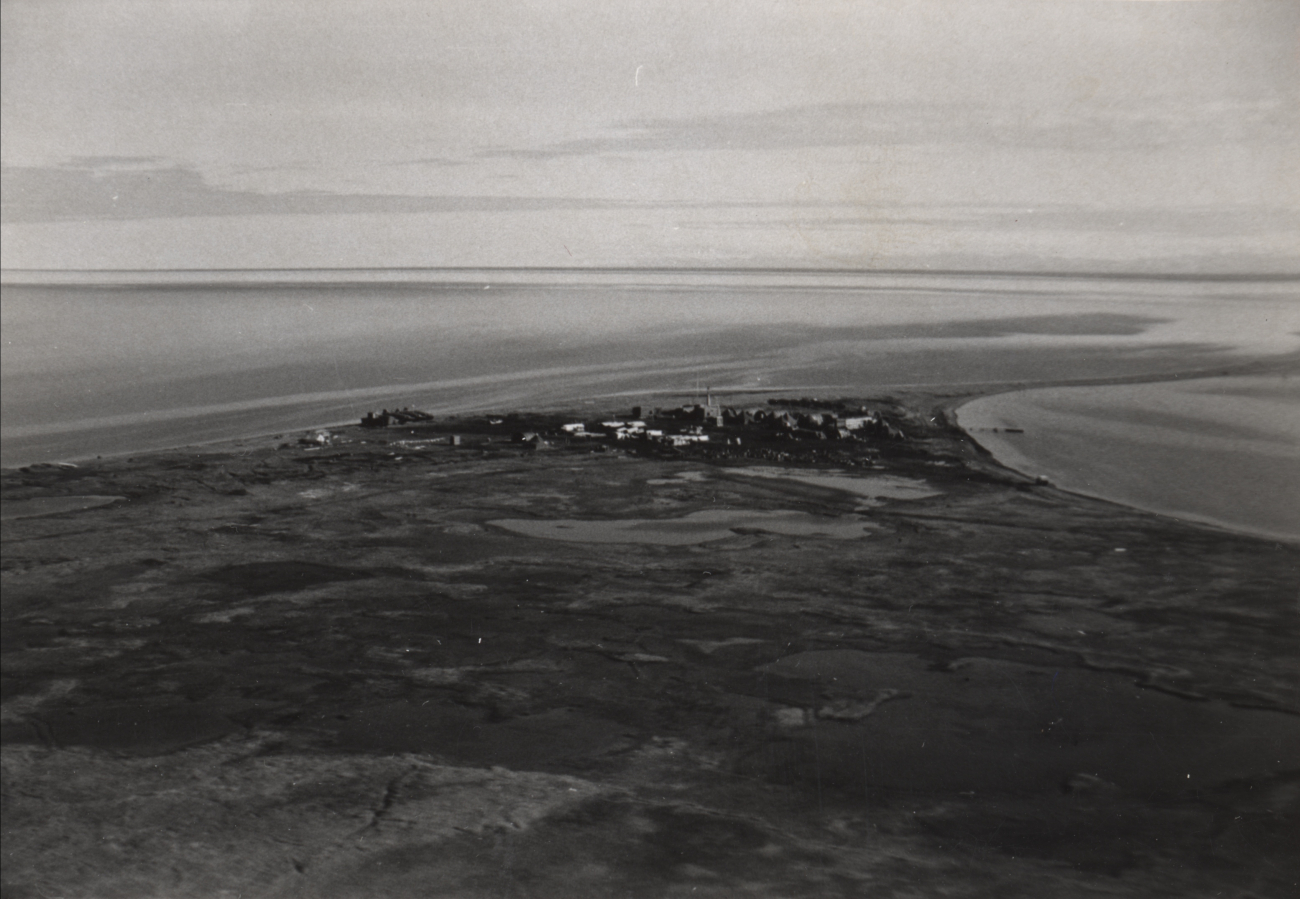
872,488
698,527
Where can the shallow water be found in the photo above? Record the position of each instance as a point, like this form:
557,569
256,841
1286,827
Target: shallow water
93,369
937,735
698,527
1219,450
872,488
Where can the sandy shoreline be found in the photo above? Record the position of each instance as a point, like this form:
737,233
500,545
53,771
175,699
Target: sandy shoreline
1167,512
948,398
1118,466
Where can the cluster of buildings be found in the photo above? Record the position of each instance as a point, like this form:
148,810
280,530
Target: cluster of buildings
816,425
402,416
636,429
703,423
696,423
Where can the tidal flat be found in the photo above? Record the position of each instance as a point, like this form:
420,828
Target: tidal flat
273,669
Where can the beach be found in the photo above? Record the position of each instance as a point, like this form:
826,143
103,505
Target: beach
1220,450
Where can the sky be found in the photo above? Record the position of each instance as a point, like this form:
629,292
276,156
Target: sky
1046,135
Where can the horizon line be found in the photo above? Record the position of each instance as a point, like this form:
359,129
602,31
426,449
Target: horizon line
7,273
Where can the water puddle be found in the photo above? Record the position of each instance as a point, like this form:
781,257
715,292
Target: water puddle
680,477
872,488
698,527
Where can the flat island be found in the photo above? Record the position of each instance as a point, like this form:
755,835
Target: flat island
834,649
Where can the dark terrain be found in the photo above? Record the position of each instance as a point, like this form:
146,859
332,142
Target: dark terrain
272,669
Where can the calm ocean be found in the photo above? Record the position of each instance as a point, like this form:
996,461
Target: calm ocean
126,363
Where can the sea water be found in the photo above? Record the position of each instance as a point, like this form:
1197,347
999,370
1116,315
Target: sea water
1219,450
103,364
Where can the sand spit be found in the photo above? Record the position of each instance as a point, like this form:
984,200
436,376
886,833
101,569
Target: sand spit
235,688
1224,451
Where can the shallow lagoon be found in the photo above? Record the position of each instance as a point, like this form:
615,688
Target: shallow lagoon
698,527
871,488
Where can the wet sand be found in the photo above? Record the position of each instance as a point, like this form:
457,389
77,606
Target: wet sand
1225,451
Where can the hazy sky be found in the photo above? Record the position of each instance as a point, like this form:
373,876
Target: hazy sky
1100,134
